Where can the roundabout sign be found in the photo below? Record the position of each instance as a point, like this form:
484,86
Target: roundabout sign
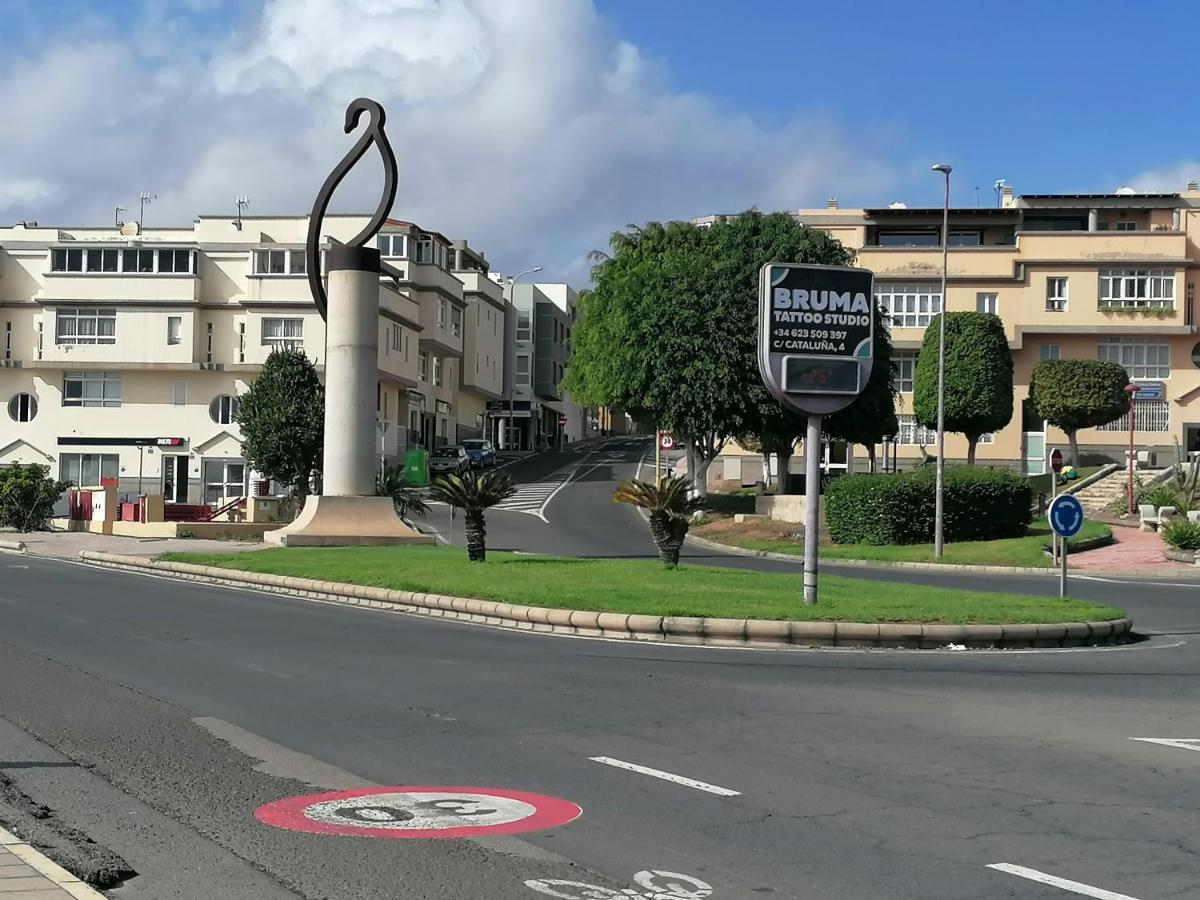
419,812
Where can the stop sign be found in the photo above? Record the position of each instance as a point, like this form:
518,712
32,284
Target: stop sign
1056,461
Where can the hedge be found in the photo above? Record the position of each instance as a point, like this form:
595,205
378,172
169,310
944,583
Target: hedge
980,505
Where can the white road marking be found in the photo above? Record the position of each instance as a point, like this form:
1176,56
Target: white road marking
533,498
666,776
677,887
1181,743
1074,886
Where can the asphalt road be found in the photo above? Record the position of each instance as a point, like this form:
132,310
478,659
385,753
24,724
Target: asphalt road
157,716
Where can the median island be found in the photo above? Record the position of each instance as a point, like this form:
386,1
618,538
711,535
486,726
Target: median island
647,588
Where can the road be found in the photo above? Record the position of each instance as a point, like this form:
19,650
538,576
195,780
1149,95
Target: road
157,716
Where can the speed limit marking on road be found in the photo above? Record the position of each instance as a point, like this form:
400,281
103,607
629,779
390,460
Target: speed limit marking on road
419,812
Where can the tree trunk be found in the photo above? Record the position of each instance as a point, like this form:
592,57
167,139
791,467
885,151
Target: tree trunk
1073,438
784,455
972,443
700,479
664,539
766,459
476,536
871,457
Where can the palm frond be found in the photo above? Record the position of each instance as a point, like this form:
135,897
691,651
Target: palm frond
474,491
670,498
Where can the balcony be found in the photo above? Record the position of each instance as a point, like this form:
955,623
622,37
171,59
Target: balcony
1102,246
115,287
924,263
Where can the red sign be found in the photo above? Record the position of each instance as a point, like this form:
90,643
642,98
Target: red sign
666,441
1056,461
419,812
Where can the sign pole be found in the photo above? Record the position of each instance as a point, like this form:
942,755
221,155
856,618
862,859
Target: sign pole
1062,577
657,457
1053,492
812,507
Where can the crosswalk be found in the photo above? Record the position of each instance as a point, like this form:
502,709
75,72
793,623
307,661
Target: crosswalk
533,498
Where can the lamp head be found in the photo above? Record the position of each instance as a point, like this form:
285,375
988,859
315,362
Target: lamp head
944,168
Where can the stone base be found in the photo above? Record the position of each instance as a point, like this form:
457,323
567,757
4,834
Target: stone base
346,522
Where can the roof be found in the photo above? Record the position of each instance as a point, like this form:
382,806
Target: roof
937,211
1137,195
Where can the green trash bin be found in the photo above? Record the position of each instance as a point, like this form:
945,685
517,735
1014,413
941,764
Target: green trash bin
416,466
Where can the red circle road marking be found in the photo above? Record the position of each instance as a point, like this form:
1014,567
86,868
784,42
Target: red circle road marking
317,813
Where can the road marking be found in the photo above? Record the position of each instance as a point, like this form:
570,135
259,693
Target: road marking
677,887
1074,886
666,776
1181,743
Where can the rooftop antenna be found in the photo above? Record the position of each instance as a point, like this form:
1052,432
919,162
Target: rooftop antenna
117,210
147,197
242,202
977,196
999,187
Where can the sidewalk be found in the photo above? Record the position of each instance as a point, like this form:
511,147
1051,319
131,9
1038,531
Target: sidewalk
1134,553
26,874
69,544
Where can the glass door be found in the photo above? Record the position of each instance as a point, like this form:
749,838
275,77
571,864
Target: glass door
175,479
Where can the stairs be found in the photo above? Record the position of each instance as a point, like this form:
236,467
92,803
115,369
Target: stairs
1101,496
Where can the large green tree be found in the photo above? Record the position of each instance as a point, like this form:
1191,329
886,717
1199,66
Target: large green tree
282,417
872,416
669,329
1079,393
979,377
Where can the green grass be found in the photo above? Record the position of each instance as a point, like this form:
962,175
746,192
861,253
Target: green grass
646,587
1026,552
1041,483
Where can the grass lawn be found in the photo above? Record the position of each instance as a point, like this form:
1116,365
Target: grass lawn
1028,551
635,586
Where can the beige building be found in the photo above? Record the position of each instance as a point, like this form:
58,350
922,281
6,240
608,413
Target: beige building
124,351
1109,276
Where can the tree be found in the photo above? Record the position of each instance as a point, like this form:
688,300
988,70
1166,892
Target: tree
670,508
776,432
406,496
1079,393
979,377
474,493
872,416
282,417
669,331
27,496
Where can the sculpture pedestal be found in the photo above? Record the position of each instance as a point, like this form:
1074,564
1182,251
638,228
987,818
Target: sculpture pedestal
329,521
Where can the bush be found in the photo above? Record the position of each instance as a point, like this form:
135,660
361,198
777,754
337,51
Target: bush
1181,534
1162,495
27,497
980,505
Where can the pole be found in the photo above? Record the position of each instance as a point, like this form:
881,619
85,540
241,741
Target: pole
1130,486
657,457
938,510
141,457
1062,576
812,507
1053,533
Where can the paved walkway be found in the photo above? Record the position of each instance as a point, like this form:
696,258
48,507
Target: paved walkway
26,874
1134,553
69,544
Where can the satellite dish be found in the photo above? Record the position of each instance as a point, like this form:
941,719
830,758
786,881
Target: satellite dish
898,205
1126,191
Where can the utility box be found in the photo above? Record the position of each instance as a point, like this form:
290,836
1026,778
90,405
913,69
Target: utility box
416,466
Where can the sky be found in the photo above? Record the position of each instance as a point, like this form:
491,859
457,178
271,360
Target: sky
535,128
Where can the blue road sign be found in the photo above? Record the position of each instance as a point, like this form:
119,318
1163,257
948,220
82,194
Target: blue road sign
1065,515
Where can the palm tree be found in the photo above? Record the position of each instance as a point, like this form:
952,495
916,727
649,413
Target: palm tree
405,495
670,509
473,493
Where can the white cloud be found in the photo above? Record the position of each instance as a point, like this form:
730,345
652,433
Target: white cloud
526,126
1167,179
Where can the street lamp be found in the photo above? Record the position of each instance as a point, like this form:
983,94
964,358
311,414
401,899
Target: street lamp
502,436
938,530
1131,390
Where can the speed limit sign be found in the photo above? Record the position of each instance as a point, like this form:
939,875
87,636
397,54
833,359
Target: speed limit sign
666,441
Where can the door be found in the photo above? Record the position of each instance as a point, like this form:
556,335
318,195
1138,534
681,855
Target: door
224,480
1033,440
175,479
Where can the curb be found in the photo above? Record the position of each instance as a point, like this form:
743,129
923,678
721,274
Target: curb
624,626
48,869
13,546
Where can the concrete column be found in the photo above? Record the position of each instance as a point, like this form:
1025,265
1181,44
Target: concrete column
1175,219
351,364
1093,220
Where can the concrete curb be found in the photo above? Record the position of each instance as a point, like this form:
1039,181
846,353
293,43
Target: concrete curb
55,875
674,629
13,546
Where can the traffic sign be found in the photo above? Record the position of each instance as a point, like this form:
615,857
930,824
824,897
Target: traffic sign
1056,460
419,812
666,441
1065,515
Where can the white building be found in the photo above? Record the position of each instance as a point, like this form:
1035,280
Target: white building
124,351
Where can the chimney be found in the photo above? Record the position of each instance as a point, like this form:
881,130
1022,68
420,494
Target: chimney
1193,186
831,203
1006,196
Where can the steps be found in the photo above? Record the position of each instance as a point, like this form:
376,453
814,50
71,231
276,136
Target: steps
1108,490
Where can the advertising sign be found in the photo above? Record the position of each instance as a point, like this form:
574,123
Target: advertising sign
815,326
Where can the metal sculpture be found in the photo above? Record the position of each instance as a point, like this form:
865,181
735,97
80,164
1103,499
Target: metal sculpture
373,135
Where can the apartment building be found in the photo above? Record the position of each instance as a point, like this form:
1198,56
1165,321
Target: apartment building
124,351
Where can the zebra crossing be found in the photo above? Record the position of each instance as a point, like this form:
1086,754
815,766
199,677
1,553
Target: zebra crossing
533,498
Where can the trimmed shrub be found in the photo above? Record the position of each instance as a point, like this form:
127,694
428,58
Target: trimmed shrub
27,497
1162,495
1181,534
980,505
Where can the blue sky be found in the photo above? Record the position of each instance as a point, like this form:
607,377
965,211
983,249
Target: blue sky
535,128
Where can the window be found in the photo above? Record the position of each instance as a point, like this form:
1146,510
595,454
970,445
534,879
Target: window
285,333
85,325
910,305
174,329
1050,351
442,305
908,239
177,261
965,239
102,259
8,340
913,435
179,393
241,342
208,338
456,321
987,303
279,262
437,371
425,250
1127,226
524,326
393,246
906,369
1056,294
224,480
423,365
88,469
1148,415
522,368
223,409
64,260
140,260
1142,359
397,338
98,389
1137,288
22,408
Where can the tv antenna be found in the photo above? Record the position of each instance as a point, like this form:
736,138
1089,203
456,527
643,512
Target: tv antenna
117,210
999,187
147,197
242,202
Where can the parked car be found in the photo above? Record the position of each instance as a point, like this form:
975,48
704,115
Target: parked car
451,460
481,453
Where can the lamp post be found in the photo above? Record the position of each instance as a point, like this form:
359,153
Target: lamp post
502,436
938,531
1131,390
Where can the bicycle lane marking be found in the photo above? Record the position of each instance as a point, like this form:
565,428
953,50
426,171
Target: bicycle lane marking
673,886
